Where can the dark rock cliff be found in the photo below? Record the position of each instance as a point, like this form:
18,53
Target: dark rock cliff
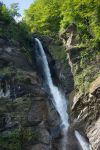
27,116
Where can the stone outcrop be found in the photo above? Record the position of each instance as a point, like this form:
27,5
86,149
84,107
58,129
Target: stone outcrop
86,111
84,105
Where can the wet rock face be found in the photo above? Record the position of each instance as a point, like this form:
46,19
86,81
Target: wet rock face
10,87
25,110
86,112
65,76
61,73
39,62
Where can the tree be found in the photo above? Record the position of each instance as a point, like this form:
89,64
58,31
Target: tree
85,15
44,16
4,13
14,10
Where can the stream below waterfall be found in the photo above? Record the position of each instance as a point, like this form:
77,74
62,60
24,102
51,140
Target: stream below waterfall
60,103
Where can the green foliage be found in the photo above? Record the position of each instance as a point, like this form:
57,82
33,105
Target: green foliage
87,70
50,17
11,141
15,139
18,32
55,16
88,56
10,28
13,11
85,14
84,78
28,135
44,16
4,14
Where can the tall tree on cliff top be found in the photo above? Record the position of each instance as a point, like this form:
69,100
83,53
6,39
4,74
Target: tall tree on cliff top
44,16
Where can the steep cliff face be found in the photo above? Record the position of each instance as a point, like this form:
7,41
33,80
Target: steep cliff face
27,116
85,98
86,113
28,120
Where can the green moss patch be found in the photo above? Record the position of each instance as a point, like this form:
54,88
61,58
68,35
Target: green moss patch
15,140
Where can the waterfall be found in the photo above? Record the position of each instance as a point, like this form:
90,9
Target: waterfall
82,141
58,100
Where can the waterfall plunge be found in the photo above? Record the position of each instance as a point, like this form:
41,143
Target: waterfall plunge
82,141
59,102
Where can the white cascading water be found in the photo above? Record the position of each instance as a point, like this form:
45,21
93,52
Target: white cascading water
59,102
82,141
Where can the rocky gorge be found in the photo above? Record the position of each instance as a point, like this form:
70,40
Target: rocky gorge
28,117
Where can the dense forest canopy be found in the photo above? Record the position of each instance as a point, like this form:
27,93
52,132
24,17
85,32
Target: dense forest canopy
44,16
54,16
